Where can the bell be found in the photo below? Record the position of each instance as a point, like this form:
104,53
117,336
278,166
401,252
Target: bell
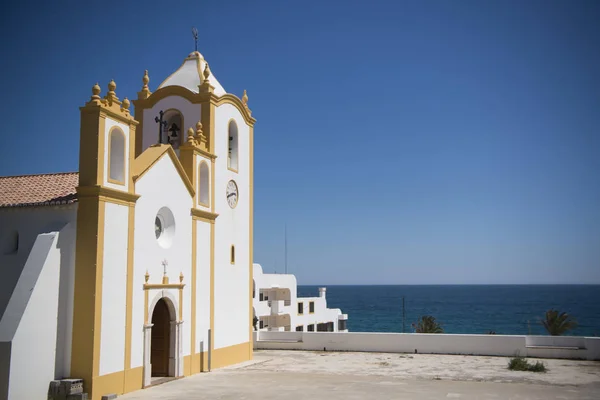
173,130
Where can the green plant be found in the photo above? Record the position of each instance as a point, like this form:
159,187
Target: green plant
557,324
521,364
427,324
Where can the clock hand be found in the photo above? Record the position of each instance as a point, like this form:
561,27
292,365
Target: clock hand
230,194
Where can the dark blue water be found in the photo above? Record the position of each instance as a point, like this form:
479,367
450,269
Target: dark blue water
505,309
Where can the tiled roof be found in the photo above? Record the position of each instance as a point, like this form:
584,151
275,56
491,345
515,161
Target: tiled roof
38,190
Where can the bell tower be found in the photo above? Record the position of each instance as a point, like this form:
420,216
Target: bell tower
106,200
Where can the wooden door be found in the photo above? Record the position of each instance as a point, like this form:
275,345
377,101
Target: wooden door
161,329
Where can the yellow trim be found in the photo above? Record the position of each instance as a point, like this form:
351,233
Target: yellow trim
106,194
232,255
134,379
117,382
118,131
187,365
203,215
149,286
188,162
129,287
232,99
231,355
212,286
151,156
91,147
207,115
204,153
139,116
199,362
195,98
238,145
203,162
87,308
131,157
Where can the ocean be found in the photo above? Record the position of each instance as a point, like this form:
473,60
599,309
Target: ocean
475,309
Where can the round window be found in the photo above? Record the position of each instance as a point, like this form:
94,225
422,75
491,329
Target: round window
158,227
164,227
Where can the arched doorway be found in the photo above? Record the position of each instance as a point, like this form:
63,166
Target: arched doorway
161,339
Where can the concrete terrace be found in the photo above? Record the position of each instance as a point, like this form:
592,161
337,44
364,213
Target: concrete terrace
276,374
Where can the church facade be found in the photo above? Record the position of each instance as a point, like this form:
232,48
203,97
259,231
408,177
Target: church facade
138,267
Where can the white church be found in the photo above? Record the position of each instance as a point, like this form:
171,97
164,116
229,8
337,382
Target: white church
138,267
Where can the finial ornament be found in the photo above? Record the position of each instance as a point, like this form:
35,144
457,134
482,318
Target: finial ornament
205,86
206,72
191,140
145,92
125,105
147,277
181,277
200,136
96,92
245,99
111,96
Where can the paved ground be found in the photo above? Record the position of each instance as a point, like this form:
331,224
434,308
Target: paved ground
374,376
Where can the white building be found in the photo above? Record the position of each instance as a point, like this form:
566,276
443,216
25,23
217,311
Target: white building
277,306
139,265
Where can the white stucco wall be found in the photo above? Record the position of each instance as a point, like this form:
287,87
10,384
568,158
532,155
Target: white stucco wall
29,222
322,314
190,112
159,187
486,345
114,284
202,284
109,124
33,309
232,285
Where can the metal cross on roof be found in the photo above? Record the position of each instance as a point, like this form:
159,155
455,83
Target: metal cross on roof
195,34
165,263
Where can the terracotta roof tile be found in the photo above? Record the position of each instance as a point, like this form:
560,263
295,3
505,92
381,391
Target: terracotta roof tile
38,190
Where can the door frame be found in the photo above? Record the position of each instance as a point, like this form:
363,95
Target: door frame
175,339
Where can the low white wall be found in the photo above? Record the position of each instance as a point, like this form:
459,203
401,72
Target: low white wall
29,324
486,345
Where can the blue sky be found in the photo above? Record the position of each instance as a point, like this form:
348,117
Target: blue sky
401,142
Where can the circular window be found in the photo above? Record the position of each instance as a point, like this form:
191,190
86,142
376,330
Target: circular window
158,227
164,227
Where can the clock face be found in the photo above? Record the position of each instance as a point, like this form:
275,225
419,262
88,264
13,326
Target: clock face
232,194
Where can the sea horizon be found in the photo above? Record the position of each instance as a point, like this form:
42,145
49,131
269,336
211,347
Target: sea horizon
452,284
511,309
